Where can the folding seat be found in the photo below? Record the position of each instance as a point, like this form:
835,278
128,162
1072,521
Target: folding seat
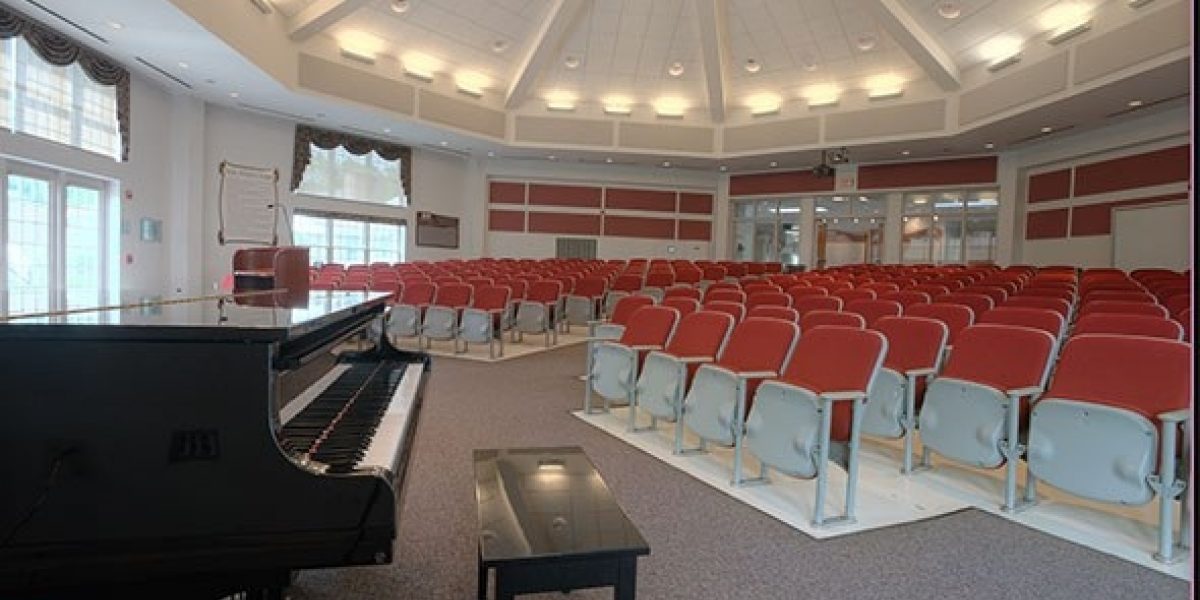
782,281
757,268
997,294
538,312
519,288
772,298
774,312
804,291
835,286
614,364
735,270
956,317
1122,295
978,303
755,287
852,295
1065,294
389,284
615,326
685,306
907,298
1185,319
1107,428
1177,303
443,279
973,409
1042,319
404,319
666,373
1124,324
872,310
915,349
1170,288
807,304
711,274
772,267
1057,305
486,319
683,292
1143,276
1123,307
817,318
737,310
623,285
933,289
880,287
657,283
714,294
813,413
442,315
582,305
689,276
721,393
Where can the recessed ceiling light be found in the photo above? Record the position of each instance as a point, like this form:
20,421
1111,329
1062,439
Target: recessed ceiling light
676,69
1047,129
905,152
920,200
387,129
823,94
773,164
361,55
499,46
1064,16
234,95
1139,3
471,82
865,41
764,103
571,62
420,65
560,100
608,160
670,106
116,25
666,164
989,145
752,66
443,143
809,63
1135,103
551,157
618,105
183,65
491,154
1063,34
1001,51
888,85
400,6
722,168
949,9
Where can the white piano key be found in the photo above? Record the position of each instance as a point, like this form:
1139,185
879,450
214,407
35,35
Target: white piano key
389,436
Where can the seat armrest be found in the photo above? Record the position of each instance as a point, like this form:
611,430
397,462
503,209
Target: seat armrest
1025,391
597,322
756,374
1175,416
846,395
693,360
644,347
921,372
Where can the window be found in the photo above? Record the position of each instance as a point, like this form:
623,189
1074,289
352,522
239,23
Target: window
349,240
949,227
339,174
61,104
54,241
849,230
766,231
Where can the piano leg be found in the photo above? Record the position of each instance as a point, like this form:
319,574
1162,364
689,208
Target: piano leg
483,578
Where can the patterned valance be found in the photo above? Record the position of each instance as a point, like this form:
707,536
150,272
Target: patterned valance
60,50
306,137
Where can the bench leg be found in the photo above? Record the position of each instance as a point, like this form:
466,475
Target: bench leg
626,585
483,574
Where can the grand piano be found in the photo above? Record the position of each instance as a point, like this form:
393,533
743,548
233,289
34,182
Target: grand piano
200,447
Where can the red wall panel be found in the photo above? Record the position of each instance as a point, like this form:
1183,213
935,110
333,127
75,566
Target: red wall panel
1047,224
506,220
696,204
506,192
627,199
639,227
545,222
1169,165
1055,185
956,171
1096,219
778,183
695,230
564,195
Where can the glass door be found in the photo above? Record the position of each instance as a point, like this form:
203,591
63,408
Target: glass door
27,243
766,231
849,230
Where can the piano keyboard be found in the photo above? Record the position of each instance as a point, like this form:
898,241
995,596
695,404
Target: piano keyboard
357,420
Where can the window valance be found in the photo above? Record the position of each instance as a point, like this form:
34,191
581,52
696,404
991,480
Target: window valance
307,136
62,51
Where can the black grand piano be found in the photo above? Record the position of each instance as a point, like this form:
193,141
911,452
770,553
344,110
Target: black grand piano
200,447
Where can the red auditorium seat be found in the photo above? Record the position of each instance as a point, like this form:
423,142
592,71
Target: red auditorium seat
801,291
768,298
806,304
1122,307
615,325
907,298
817,318
956,317
1057,305
830,371
1108,427
1123,324
486,319
774,312
442,314
583,304
852,295
685,306
880,288
724,295
872,310
978,303
973,409
737,310
722,392
538,312
404,319
614,364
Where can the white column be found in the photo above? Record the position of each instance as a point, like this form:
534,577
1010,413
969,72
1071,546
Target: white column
1009,233
807,222
893,228
185,196
721,227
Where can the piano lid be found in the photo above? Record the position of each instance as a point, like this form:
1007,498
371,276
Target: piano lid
260,315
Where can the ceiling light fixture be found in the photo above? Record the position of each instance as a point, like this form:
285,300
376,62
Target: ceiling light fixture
184,65
491,154
885,86
809,63
472,83
116,25
551,157
443,143
608,160
764,103
560,100
824,94
419,65
400,6
1061,35
949,9
571,62
499,46
1134,103
676,69
1047,129
752,66
1065,21
1001,51
865,41
670,107
358,54
234,95
618,105
666,164
387,129
722,168
1139,3
989,145
773,164
905,152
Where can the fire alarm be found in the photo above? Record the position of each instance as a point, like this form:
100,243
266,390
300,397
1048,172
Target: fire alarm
128,194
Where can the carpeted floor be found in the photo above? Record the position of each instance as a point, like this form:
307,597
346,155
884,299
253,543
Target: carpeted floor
703,543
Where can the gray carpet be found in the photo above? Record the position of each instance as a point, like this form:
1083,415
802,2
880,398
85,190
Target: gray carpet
703,543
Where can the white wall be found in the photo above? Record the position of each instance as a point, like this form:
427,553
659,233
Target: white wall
542,245
1150,132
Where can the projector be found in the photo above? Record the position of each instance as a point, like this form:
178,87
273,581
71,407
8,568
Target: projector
822,170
